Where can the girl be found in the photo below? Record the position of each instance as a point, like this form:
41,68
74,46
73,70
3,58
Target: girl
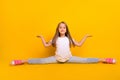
62,41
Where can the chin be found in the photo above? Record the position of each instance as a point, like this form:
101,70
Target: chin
62,33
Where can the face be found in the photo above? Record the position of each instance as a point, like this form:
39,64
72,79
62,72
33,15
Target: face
62,29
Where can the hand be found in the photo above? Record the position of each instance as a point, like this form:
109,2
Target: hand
39,36
88,35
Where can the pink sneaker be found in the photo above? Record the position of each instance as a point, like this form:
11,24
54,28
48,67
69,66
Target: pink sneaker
16,62
110,61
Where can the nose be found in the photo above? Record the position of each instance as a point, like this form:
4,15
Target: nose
62,30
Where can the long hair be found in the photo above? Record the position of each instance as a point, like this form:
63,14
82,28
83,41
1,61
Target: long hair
67,34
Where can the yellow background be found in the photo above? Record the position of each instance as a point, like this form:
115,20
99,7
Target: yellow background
22,20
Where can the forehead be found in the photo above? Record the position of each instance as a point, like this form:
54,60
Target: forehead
62,25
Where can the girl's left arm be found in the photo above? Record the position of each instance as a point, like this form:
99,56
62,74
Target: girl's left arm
79,44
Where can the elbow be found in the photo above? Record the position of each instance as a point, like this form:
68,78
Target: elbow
79,45
46,45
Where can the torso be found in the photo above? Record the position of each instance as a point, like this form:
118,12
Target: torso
62,48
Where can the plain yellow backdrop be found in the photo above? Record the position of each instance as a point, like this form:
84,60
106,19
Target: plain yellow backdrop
22,20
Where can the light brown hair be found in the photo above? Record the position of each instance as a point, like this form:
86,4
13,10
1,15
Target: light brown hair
67,34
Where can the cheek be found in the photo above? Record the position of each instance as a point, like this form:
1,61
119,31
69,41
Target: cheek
65,30
59,29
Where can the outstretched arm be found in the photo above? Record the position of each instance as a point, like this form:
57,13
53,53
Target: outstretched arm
46,44
79,44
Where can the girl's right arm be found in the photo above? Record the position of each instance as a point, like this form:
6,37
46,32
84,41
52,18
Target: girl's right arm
46,44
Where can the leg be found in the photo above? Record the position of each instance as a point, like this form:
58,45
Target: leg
51,59
75,59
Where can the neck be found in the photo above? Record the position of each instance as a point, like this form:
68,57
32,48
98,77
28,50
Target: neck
62,35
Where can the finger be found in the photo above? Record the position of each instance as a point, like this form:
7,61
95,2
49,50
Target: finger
37,36
90,36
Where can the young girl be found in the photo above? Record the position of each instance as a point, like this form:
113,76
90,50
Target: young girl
62,41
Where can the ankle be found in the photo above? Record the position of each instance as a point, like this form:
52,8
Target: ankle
24,61
102,60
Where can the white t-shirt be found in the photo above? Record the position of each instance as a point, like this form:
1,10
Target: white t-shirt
63,52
